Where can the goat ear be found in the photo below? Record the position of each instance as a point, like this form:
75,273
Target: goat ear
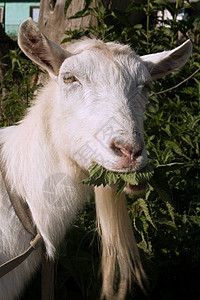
163,63
39,48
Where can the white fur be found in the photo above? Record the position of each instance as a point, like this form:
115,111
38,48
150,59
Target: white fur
70,126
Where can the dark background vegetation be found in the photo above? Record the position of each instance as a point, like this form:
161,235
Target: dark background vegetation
166,221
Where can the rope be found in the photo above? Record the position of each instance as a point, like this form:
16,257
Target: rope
16,261
177,85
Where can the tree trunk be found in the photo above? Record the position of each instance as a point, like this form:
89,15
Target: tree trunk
53,22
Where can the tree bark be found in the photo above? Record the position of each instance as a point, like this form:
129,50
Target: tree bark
53,22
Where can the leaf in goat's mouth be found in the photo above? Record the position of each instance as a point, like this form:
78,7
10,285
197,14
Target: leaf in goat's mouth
98,175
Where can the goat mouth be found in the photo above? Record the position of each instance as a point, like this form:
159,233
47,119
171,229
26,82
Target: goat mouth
135,189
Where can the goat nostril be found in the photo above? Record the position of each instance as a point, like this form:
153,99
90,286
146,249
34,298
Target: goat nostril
138,153
126,150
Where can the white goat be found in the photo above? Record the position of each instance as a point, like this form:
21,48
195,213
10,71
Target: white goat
90,111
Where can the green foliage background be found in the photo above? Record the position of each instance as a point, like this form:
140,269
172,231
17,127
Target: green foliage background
166,219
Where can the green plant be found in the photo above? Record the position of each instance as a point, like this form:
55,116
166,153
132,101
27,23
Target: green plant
18,88
100,176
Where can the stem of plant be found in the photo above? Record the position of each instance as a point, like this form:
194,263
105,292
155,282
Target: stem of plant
148,32
175,19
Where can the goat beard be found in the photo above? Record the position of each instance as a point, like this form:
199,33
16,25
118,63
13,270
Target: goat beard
120,255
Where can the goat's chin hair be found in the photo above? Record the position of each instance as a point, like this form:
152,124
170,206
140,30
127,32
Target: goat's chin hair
120,256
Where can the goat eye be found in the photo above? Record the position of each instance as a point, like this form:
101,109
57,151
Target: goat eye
68,78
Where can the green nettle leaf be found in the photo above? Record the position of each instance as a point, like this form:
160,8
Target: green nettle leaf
121,185
162,169
139,177
144,207
155,176
67,4
84,12
164,222
171,211
141,226
99,175
175,148
160,184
